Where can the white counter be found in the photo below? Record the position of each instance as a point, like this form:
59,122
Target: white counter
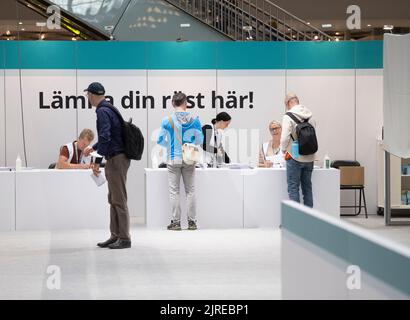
60,199
7,201
265,190
52,199
215,188
233,198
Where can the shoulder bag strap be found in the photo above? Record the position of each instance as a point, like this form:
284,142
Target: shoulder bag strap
176,132
115,110
293,117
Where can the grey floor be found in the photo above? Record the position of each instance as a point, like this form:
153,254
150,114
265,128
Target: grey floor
204,264
375,223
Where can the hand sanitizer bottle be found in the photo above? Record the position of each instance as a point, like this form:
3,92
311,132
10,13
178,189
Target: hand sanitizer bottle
326,162
18,163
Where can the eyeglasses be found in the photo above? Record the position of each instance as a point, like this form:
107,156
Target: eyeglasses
275,128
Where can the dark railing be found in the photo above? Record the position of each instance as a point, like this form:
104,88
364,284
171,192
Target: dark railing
259,20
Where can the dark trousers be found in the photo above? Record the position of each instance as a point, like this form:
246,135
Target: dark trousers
116,173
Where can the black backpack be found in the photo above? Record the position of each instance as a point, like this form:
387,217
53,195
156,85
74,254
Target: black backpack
306,136
132,137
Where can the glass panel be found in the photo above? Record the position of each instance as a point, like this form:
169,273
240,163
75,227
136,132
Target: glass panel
103,14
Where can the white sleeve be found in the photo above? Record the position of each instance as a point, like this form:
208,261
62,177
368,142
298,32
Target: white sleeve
286,132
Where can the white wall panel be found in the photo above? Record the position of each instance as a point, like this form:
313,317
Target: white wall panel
14,128
191,82
369,122
46,130
268,87
330,95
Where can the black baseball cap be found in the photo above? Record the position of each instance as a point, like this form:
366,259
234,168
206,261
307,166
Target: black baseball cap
95,88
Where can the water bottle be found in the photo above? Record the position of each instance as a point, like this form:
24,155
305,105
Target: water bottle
155,161
18,163
213,161
404,200
295,149
219,157
326,162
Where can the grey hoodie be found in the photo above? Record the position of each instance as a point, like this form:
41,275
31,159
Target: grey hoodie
289,128
183,117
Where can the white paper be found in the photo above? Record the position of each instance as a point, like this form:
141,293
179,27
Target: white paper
276,159
100,180
238,166
95,154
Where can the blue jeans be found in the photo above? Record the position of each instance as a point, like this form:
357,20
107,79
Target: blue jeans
300,174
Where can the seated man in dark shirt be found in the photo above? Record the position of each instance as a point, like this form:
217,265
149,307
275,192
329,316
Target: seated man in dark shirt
71,154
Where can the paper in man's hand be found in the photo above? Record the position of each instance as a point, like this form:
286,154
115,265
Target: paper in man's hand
100,180
95,154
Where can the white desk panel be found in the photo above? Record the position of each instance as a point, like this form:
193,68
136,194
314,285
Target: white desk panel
60,199
7,201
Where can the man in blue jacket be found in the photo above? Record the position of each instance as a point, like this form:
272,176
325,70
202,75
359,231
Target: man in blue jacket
176,129
110,144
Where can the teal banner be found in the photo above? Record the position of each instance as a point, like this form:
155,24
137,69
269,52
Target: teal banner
190,55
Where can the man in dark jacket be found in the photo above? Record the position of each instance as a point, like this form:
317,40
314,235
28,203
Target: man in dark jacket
110,144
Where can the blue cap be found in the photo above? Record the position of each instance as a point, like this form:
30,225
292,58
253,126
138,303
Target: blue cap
96,88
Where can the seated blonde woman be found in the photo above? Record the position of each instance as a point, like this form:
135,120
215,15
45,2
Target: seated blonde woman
271,148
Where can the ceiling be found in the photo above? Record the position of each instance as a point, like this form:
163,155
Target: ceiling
11,10
13,13
374,12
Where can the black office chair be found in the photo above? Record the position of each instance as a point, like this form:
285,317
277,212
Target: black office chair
347,182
